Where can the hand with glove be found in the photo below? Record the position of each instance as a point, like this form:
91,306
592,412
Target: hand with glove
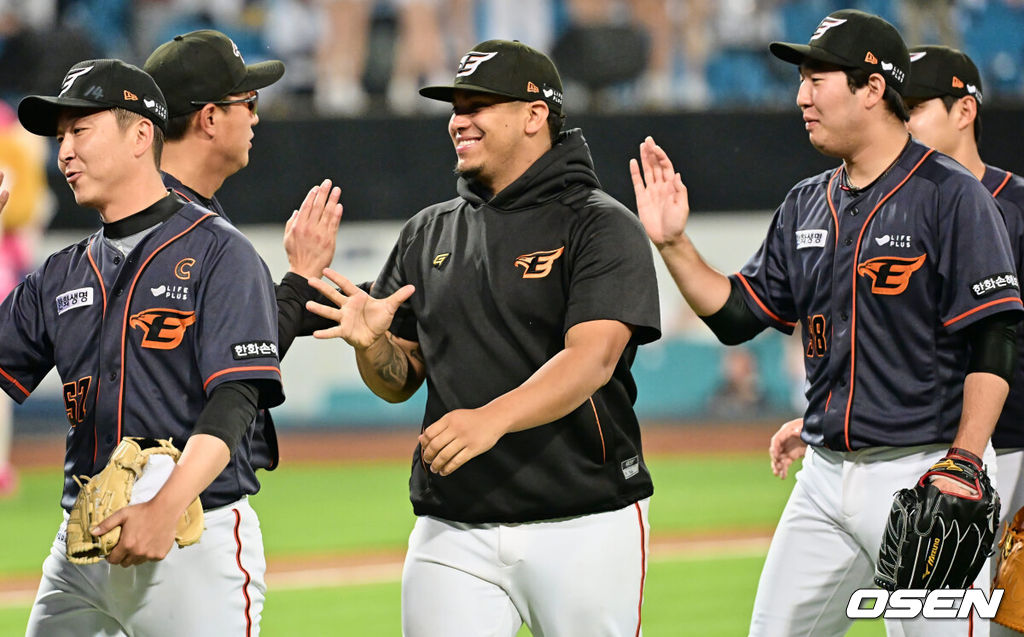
110,490
940,532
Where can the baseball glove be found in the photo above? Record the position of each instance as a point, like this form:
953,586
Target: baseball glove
939,540
110,490
1010,575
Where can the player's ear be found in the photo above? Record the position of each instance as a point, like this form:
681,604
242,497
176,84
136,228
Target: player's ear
537,117
965,111
206,119
875,93
142,135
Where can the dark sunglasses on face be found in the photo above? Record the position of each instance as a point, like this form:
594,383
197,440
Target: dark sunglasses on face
250,102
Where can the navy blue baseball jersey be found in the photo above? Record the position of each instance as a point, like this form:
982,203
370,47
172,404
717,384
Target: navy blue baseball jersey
1008,190
141,340
884,280
499,281
262,436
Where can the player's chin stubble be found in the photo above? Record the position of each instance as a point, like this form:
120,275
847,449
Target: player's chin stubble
468,173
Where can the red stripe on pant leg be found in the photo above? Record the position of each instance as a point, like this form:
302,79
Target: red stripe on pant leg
643,567
970,620
245,585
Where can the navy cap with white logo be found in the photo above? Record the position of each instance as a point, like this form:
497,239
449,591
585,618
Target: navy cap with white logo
508,68
99,84
853,39
937,71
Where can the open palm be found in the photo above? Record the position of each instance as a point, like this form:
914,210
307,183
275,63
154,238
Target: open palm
661,197
361,318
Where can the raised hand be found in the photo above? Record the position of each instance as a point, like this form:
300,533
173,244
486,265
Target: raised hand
312,230
362,319
661,197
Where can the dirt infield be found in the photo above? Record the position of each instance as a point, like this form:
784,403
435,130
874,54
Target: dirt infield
370,446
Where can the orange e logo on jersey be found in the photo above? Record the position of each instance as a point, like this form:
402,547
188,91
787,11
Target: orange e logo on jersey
890,275
163,328
537,265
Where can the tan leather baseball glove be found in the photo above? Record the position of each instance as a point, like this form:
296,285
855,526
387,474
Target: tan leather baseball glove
1010,575
110,490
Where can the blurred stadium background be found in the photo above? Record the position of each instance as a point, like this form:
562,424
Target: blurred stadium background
695,74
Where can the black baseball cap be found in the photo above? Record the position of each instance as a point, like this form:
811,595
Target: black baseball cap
853,39
937,71
204,66
100,84
508,68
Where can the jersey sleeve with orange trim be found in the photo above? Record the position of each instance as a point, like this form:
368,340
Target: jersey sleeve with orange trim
764,279
975,260
27,352
236,316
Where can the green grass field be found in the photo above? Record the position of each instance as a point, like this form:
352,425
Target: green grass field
311,510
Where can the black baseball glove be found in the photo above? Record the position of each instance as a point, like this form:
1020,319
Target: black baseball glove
939,540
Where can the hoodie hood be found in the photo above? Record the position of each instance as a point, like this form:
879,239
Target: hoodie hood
567,164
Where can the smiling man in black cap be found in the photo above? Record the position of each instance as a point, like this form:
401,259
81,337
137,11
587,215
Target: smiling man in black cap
163,325
533,289
894,264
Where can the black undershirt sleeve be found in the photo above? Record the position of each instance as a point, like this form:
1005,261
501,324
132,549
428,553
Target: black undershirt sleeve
292,317
734,323
229,412
993,345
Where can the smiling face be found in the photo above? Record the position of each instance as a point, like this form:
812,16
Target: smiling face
93,153
488,133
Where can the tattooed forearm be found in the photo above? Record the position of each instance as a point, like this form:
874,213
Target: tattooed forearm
390,363
390,368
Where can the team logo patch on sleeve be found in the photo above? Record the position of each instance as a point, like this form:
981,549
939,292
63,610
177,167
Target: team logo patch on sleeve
890,275
811,239
994,283
537,265
254,349
74,298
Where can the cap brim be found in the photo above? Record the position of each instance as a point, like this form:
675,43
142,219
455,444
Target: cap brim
260,75
797,53
447,93
39,114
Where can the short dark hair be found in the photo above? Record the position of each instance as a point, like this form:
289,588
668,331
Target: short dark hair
858,78
949,100
178,125
555,123
126,118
